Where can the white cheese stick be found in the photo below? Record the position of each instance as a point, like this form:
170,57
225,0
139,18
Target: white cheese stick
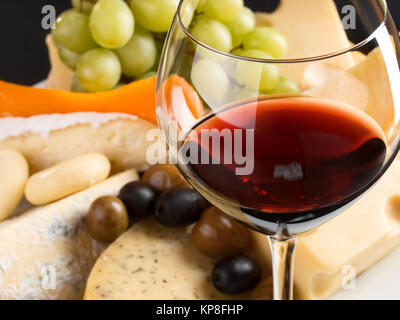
47,252
14,173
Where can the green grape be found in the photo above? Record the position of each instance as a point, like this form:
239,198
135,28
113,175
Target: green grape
285,86
160,40
147,75
255,75
223,10
83,6
244,93
210,80
76,85
112,23
200,6
68,57
98,70
154,15
237,52
204,53
242,25
139,54
213,33
266,39
72,31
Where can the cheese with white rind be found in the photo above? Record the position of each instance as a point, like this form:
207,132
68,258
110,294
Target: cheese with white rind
67,177
312,28
152,262
47,252
14,172
121,139
45,124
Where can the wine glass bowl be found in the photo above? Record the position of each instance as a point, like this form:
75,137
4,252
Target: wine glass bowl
287,125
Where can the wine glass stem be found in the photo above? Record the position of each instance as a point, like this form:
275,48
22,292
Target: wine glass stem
282,249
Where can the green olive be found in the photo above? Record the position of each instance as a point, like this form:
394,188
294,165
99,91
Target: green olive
107,219
218,235
163,177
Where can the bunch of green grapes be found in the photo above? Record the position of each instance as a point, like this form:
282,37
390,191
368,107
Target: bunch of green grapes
229,26
109,42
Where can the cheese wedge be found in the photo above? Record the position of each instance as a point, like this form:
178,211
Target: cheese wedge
373,73
328,82
60,76
352,242
47,252
312,28
153,262
349,244
358,56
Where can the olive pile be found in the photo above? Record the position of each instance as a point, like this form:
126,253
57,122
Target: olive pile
165,193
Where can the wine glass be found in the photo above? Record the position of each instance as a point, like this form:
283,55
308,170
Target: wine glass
285,127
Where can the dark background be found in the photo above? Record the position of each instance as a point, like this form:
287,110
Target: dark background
23,55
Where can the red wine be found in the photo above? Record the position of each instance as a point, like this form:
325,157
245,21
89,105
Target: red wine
308,154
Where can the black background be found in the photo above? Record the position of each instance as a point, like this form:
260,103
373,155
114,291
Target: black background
23,55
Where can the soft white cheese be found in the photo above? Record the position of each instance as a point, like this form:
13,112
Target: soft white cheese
47,252
46,123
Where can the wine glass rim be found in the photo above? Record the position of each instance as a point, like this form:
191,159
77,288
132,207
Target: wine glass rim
334,54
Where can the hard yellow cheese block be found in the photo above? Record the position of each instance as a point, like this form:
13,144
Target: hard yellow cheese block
312,28
60,76
47,252
150,262
328,82
372,72
357,238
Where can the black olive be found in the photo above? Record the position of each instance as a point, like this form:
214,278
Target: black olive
272,5
237,274
139,199
179,207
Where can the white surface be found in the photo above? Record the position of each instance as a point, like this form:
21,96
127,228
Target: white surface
381,282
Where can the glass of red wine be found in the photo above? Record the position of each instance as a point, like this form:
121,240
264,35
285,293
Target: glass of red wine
275,116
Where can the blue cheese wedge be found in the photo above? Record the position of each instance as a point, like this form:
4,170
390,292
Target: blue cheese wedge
47,252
